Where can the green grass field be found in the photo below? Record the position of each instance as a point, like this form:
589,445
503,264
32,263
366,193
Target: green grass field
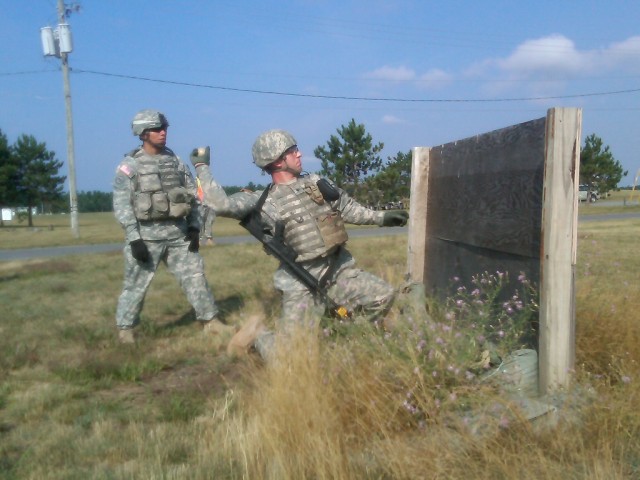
97,228
357,404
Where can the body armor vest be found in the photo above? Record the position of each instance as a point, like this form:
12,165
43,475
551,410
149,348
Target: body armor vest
159,190
308,223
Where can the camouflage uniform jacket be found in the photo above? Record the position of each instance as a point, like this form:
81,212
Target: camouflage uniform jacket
124,192
240,204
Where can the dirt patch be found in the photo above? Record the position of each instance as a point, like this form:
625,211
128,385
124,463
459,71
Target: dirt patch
212,377
19,268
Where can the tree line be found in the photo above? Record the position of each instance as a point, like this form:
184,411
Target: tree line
29,173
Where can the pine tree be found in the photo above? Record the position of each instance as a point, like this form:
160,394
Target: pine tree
8,174
598,168
37,179
348,159
393,182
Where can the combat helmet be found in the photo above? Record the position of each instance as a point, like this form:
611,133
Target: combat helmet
146,119
270,145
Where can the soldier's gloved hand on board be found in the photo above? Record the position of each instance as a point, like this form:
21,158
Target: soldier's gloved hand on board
139,250
395,218
200,156
193,235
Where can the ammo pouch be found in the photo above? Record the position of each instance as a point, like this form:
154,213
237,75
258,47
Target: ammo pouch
314,193
161,206
332,230
151,206
179,202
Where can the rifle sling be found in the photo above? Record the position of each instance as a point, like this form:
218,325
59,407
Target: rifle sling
333,264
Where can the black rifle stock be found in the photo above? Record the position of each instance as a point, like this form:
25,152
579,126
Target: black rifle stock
253,224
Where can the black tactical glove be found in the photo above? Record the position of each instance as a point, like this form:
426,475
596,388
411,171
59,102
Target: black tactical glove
139,250
200,155
395,218
193,235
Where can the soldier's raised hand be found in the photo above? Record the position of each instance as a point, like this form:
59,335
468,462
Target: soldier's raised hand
201,155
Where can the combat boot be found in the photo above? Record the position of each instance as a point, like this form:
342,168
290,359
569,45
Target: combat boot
126,336
216,327
241,342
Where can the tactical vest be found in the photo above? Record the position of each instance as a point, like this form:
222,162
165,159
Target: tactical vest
308,223
159,190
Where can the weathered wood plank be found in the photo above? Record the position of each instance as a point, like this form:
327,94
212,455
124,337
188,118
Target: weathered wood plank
485,206
556,355
488,189
417,251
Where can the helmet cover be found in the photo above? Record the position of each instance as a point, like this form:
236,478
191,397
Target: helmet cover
270,145
146,119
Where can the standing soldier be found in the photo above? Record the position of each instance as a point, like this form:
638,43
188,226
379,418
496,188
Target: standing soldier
154,201
308,213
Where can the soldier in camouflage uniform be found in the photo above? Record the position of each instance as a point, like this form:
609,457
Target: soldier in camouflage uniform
154,201
309,213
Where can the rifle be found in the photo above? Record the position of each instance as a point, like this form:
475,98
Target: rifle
252,222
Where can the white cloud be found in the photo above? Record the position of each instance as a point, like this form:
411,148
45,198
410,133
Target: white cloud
550,61
391,119
434,78
393,74
556,55
625,54
540,66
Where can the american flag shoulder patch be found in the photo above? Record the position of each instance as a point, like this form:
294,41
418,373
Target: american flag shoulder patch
125,169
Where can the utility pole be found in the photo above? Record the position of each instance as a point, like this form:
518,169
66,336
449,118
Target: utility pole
58,44
73,197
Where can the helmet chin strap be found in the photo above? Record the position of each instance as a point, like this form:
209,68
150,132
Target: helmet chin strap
286,168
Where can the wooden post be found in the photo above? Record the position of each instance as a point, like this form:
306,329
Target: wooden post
556,354
418,214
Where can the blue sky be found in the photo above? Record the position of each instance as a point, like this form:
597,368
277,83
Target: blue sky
455,63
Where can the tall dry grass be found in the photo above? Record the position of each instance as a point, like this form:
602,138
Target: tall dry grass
357,404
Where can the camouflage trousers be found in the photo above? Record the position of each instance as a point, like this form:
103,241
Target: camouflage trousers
360,292
207,219
186,266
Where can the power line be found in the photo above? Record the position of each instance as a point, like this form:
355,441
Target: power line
369,99
337,97
27,72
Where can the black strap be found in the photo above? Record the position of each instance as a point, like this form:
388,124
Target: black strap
263,198
333,263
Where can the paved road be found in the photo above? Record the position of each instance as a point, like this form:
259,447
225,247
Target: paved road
48,252
598,217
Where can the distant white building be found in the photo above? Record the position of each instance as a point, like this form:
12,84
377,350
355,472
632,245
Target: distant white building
9,214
